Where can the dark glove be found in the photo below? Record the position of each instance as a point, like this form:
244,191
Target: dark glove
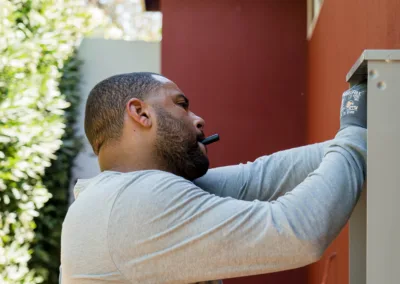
353,111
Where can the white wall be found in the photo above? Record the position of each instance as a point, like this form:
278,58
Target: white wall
104,58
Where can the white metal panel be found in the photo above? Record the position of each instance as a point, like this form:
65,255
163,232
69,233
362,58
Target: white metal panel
383,210
358,242
374,225
360,67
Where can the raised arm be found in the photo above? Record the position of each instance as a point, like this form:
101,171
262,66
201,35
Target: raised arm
266,178
170,231
269,177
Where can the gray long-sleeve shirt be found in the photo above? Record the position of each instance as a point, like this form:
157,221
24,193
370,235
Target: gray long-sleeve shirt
155,227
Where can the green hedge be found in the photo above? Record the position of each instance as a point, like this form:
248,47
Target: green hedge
46,244
37,38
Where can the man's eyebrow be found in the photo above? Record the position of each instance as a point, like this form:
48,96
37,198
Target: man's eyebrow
183,97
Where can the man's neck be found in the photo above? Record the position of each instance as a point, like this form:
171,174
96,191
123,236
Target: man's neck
116,158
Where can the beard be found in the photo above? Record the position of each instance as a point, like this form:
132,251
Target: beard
177,147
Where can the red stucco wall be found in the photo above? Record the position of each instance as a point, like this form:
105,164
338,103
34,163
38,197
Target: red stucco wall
242,65
344,29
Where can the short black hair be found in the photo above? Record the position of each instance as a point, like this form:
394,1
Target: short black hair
105,106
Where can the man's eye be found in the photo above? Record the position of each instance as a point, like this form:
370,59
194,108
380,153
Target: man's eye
184,105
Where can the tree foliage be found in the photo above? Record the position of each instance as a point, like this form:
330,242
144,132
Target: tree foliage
37,38
127,20
46,244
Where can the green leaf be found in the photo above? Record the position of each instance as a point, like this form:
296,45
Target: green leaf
40,77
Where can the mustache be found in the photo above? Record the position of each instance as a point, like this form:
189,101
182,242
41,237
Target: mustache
201,137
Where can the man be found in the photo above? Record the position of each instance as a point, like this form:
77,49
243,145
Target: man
155,214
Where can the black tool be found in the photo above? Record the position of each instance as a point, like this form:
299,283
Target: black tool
210,139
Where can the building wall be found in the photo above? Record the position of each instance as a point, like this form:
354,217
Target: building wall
344,29
242,65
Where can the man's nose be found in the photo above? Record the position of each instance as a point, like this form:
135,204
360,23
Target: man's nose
198,122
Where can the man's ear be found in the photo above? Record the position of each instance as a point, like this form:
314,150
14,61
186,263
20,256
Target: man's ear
139,112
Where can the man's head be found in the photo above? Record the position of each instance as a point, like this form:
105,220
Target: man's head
140,121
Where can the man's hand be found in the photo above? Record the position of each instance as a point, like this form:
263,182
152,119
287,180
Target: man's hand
353,111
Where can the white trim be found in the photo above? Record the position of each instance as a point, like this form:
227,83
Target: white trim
313,13
143,5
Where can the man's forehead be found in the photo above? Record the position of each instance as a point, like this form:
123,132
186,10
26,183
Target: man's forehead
169,88
161,79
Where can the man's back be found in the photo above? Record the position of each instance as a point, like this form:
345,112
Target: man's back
85,253
104,240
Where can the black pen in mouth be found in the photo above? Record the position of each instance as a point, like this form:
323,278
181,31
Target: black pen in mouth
210,139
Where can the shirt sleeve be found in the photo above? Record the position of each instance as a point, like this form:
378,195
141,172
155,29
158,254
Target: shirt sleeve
266,178
168,230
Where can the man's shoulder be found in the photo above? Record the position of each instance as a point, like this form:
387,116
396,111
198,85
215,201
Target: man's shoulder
147,182
150,193
135,176
149,176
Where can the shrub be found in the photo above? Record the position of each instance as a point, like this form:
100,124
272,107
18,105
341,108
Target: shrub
37,37
46,244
